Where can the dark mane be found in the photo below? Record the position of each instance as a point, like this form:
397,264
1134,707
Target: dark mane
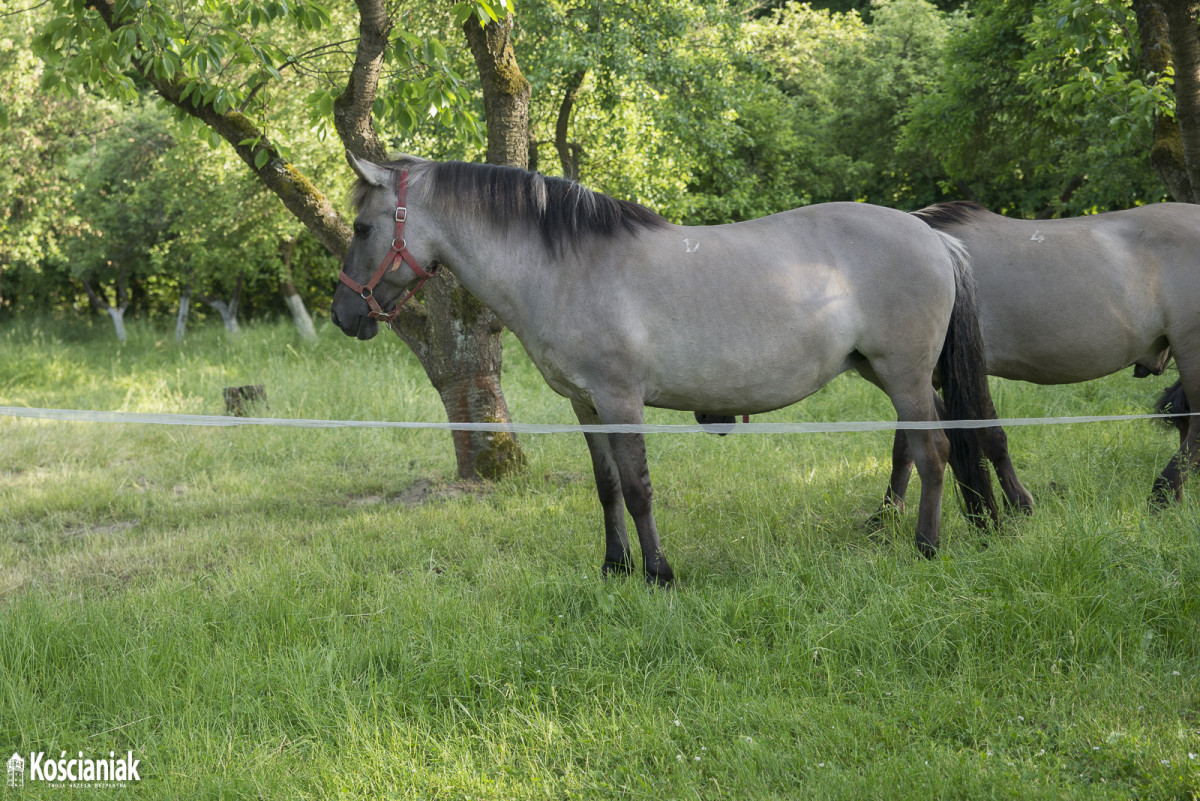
941,215
562,211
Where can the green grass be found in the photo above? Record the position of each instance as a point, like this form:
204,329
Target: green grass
261,612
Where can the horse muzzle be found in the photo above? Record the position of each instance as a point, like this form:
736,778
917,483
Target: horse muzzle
358,325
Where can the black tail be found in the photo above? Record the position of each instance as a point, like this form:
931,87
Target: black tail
1173,400
963,369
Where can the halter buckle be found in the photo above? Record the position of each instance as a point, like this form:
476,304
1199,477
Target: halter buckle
401,214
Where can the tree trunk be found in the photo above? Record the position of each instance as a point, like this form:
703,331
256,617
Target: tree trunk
461,353
115,312
300,315
506,93
1183,18
568,152
229,309
1154,50
185,304
291,297
454,336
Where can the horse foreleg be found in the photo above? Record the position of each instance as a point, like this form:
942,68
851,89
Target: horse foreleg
630,452
618,558
628,455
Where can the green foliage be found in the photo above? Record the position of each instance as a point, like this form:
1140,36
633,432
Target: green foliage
482,10
120,199
708,112
1042,107
253,57
294,613
745,117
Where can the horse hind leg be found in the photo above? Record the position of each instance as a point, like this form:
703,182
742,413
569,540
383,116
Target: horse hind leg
995,448
994,443
1168,486
929,449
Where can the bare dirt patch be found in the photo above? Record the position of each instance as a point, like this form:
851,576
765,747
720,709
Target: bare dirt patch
423,491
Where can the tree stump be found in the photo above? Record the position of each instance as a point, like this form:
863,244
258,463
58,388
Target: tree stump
240,400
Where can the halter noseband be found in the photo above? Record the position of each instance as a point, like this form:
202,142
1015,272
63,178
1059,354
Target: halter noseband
398,254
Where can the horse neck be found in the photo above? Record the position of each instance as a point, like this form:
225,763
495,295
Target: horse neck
508,270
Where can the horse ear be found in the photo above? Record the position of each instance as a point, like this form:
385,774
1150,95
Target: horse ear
368,171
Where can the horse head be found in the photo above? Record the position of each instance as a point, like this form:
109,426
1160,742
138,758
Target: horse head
382,268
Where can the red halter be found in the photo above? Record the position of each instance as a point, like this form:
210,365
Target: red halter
398,254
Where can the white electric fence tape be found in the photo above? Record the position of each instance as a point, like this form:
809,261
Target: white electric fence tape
85,416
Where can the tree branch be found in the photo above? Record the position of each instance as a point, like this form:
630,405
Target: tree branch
17,11
94,297
568,153
352,109
300,196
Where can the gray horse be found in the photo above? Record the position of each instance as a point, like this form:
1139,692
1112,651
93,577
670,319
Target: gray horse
620,309
1070,300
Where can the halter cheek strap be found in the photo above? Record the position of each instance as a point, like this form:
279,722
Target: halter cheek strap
397,255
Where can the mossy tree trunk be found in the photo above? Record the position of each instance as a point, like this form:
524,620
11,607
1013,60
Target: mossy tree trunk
569,153
1167,37
1183,18
506,92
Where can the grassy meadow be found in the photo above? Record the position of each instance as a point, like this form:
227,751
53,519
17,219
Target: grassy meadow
289,613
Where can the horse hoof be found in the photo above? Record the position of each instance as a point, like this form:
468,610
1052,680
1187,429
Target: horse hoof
885,516
1162,495
616,568
659,574
926,549
1022,504
658,581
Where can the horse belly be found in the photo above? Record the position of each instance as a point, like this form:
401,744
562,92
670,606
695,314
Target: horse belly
768,373
1076,314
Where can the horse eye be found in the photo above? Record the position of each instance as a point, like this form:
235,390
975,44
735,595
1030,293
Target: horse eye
362,230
